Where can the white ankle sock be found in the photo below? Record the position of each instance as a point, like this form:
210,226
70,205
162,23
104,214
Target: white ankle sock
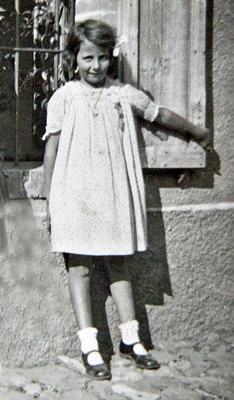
88,342
129,333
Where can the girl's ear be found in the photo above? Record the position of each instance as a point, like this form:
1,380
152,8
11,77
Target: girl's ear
76,68
76,73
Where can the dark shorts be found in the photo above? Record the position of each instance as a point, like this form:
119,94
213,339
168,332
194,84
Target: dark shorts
114,267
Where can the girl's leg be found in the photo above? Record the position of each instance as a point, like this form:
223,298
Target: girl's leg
121,290
79,287
80,299
122,295
79,280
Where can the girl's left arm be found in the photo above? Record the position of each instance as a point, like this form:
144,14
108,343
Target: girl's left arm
49,162
168,119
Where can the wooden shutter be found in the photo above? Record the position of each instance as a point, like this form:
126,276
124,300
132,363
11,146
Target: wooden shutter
166,52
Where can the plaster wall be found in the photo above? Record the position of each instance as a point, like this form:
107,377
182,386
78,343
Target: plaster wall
190,230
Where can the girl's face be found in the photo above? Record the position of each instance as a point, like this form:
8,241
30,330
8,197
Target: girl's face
93,63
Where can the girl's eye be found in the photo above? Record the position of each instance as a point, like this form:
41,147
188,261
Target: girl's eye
104,57
88,58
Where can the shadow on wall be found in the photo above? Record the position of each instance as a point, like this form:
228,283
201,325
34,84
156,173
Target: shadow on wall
150,281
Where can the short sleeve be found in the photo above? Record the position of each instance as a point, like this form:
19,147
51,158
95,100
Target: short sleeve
55,113
141,103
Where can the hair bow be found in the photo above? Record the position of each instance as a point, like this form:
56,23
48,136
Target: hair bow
122,40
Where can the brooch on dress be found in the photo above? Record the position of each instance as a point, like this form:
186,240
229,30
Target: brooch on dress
119,108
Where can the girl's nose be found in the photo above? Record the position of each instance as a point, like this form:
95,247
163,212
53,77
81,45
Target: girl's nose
96,64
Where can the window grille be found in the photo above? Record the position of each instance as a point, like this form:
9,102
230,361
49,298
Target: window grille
32,36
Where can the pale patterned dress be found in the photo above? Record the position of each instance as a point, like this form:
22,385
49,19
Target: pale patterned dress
97,199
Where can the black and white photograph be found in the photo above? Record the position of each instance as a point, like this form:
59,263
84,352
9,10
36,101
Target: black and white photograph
116,199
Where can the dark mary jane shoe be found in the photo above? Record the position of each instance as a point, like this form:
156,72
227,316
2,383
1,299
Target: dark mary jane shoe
141,361
98,372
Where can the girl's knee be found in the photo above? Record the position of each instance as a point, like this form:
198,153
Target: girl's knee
79,272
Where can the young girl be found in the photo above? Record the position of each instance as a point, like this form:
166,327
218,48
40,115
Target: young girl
94,184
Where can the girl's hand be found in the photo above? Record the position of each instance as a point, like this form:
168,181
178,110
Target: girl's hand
203,138
48,220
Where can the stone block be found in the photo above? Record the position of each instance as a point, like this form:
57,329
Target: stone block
34,183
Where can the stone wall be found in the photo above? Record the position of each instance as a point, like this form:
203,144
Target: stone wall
190,232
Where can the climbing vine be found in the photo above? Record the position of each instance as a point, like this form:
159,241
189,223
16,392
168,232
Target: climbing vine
37,29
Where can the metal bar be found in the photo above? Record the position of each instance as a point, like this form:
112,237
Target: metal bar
30,49
17,81
73,11
56,57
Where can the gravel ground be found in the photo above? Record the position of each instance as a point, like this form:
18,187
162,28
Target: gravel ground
187,372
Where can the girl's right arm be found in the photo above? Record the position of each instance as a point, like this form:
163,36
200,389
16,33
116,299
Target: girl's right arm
49,161
175,122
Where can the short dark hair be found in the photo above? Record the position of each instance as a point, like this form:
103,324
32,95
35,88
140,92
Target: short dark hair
97,32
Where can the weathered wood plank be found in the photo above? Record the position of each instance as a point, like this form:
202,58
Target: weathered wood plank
150,48
104,10
174,68
128,19
196,66
164,156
